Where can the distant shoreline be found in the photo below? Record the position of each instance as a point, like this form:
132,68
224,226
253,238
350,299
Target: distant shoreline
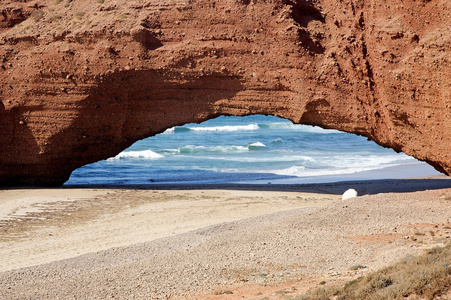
408,171
363,187
401,179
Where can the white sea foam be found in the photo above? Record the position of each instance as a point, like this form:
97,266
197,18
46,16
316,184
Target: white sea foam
256,146
198,149
299,127
291,171
169,130
145,154
228,128
343,165
310,129
367,162
171,151
301,171
255,126
261,159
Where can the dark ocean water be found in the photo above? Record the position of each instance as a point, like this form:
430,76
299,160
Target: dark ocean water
254,149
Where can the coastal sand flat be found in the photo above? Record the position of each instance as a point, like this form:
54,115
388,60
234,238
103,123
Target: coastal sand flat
41,226
205,244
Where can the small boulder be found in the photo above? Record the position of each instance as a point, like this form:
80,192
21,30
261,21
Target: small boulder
351,193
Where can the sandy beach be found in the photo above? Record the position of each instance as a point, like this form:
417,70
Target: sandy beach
211,242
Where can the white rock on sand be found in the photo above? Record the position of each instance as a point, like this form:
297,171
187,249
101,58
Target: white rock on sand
351,193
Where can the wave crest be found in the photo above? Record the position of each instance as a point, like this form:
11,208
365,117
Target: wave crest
145,154
214,149
298,127
256,146
227,128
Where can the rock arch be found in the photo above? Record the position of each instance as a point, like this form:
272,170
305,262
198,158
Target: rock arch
77,88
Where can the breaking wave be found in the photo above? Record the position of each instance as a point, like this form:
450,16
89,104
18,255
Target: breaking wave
227,128
145,154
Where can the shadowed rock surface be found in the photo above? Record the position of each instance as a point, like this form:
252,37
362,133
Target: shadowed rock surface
82,80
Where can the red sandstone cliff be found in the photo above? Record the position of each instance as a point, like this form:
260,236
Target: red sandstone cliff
82,80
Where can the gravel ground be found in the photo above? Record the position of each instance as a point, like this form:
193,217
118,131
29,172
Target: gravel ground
273,249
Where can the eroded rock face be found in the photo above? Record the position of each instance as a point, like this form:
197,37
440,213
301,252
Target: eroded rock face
82,80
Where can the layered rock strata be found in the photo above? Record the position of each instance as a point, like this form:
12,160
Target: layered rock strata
82,80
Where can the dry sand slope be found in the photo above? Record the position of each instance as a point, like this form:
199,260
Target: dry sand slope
191,244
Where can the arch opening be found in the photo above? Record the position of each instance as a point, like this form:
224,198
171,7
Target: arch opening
255,149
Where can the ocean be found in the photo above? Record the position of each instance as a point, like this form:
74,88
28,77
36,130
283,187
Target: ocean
253,150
